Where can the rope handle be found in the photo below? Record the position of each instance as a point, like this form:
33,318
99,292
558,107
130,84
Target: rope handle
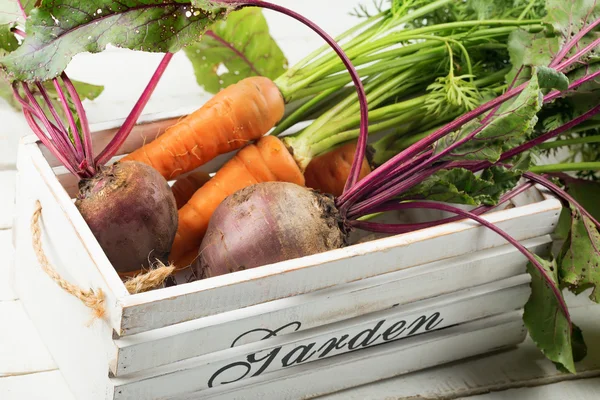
95,300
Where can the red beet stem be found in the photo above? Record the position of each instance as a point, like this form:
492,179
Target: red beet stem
406,228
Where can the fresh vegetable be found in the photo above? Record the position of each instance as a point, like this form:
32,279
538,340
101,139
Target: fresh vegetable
185,187
260,211
128,206
237,115
131,211
328,172
267,160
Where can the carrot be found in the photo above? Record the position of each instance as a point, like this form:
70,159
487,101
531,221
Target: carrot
267,160
184,188
329,171
241,113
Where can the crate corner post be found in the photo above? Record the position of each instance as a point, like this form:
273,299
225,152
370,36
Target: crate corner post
80,345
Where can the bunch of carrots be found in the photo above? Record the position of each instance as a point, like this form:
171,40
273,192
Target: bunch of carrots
322,155
234,118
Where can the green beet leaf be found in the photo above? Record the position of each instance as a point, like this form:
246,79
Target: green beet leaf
567,17
10,15
579,260
529,49
564,19
508,128
234,49
6,93
550,78
60,29
548,326
461,186
586,193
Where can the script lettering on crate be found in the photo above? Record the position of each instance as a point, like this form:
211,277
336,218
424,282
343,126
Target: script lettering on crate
315,348
268,333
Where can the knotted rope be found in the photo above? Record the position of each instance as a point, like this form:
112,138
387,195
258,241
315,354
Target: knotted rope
95,300
92,299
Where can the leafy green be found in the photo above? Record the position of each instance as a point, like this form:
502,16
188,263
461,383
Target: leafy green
505,9
6,93
586,193
547,324
60,29
573,104
513,121
450,93
529,50
552,79
564,19
579,260
567,17
10,15
461,186
235,49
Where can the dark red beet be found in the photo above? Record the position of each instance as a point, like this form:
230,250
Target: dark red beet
131,210
267,223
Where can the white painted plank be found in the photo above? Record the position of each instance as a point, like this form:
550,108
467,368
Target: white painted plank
7,198
518,367
41,386
206,335
291,350
146,311
580,389
367,365
21,350
7,291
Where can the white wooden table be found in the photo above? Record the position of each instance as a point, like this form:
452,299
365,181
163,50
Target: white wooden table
27,372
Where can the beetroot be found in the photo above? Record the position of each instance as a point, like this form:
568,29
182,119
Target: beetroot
131,210
266,223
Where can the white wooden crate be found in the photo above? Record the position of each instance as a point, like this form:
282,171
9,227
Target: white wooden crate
169,342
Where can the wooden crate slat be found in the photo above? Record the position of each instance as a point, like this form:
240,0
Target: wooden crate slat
291,350
518,367
351,370
409,355
194,338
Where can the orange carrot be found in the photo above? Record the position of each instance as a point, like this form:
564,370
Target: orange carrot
266,161
329,171
184,188
241,113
